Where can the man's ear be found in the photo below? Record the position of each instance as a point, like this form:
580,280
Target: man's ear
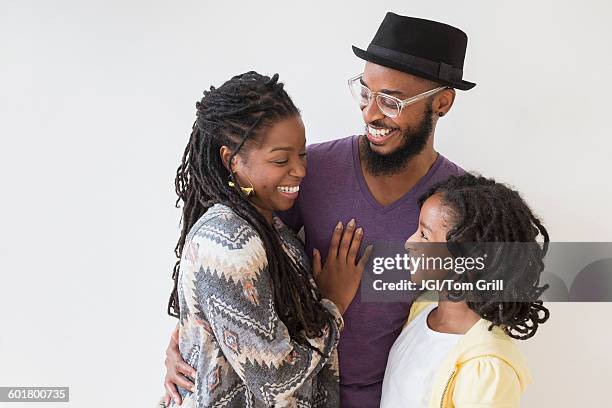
444,101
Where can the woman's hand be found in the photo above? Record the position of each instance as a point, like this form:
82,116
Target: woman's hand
338,279
177,371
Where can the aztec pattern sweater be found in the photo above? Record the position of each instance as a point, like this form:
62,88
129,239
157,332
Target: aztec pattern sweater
230,332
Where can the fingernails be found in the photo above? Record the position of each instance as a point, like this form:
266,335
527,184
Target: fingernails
359,231
351,223
193,389
339,225
315,252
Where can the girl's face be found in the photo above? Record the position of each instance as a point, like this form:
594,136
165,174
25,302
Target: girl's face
274,165
435,220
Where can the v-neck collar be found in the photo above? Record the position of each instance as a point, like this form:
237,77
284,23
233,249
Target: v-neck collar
409,195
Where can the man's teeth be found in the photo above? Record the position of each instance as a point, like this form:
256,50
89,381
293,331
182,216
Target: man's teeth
378,132
288,189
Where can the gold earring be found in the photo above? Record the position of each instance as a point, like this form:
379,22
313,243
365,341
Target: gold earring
246,191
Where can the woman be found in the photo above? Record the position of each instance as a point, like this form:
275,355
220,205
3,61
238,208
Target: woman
458,352
253,323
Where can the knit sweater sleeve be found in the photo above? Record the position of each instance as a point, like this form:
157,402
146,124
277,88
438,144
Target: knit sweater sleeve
232,289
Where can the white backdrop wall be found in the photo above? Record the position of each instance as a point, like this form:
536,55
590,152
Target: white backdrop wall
97,99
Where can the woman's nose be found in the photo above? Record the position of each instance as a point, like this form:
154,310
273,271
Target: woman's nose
299,170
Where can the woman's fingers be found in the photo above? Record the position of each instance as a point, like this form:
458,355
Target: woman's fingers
316,263
363,261
332,254
167,399
346,240
355,244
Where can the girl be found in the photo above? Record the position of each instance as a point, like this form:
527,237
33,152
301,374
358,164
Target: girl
252,321
458,352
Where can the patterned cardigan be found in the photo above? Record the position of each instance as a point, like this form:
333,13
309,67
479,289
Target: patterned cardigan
229,329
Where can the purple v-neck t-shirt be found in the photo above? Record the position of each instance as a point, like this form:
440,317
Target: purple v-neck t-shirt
333,190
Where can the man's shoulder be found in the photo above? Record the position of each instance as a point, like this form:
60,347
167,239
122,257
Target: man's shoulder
442,169
331,148
327,161
449,168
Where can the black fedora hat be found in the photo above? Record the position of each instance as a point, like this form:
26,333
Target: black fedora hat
424,48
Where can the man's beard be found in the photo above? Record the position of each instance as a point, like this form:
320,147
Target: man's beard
413,143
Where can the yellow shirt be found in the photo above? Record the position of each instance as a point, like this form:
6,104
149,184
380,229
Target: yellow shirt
484,370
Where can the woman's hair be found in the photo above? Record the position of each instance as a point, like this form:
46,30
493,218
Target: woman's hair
236,115
483,211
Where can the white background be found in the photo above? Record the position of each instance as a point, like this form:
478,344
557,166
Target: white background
97,99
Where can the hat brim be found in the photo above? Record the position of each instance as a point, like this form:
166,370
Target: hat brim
377,59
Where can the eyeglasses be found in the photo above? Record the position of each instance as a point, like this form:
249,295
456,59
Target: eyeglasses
389,105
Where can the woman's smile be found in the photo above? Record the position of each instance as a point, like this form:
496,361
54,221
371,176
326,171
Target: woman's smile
290,192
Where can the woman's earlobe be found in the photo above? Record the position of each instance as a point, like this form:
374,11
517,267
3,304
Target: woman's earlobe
226,154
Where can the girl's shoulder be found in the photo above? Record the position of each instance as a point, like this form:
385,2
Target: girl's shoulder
424,301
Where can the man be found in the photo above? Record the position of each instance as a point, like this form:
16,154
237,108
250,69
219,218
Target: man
412,69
